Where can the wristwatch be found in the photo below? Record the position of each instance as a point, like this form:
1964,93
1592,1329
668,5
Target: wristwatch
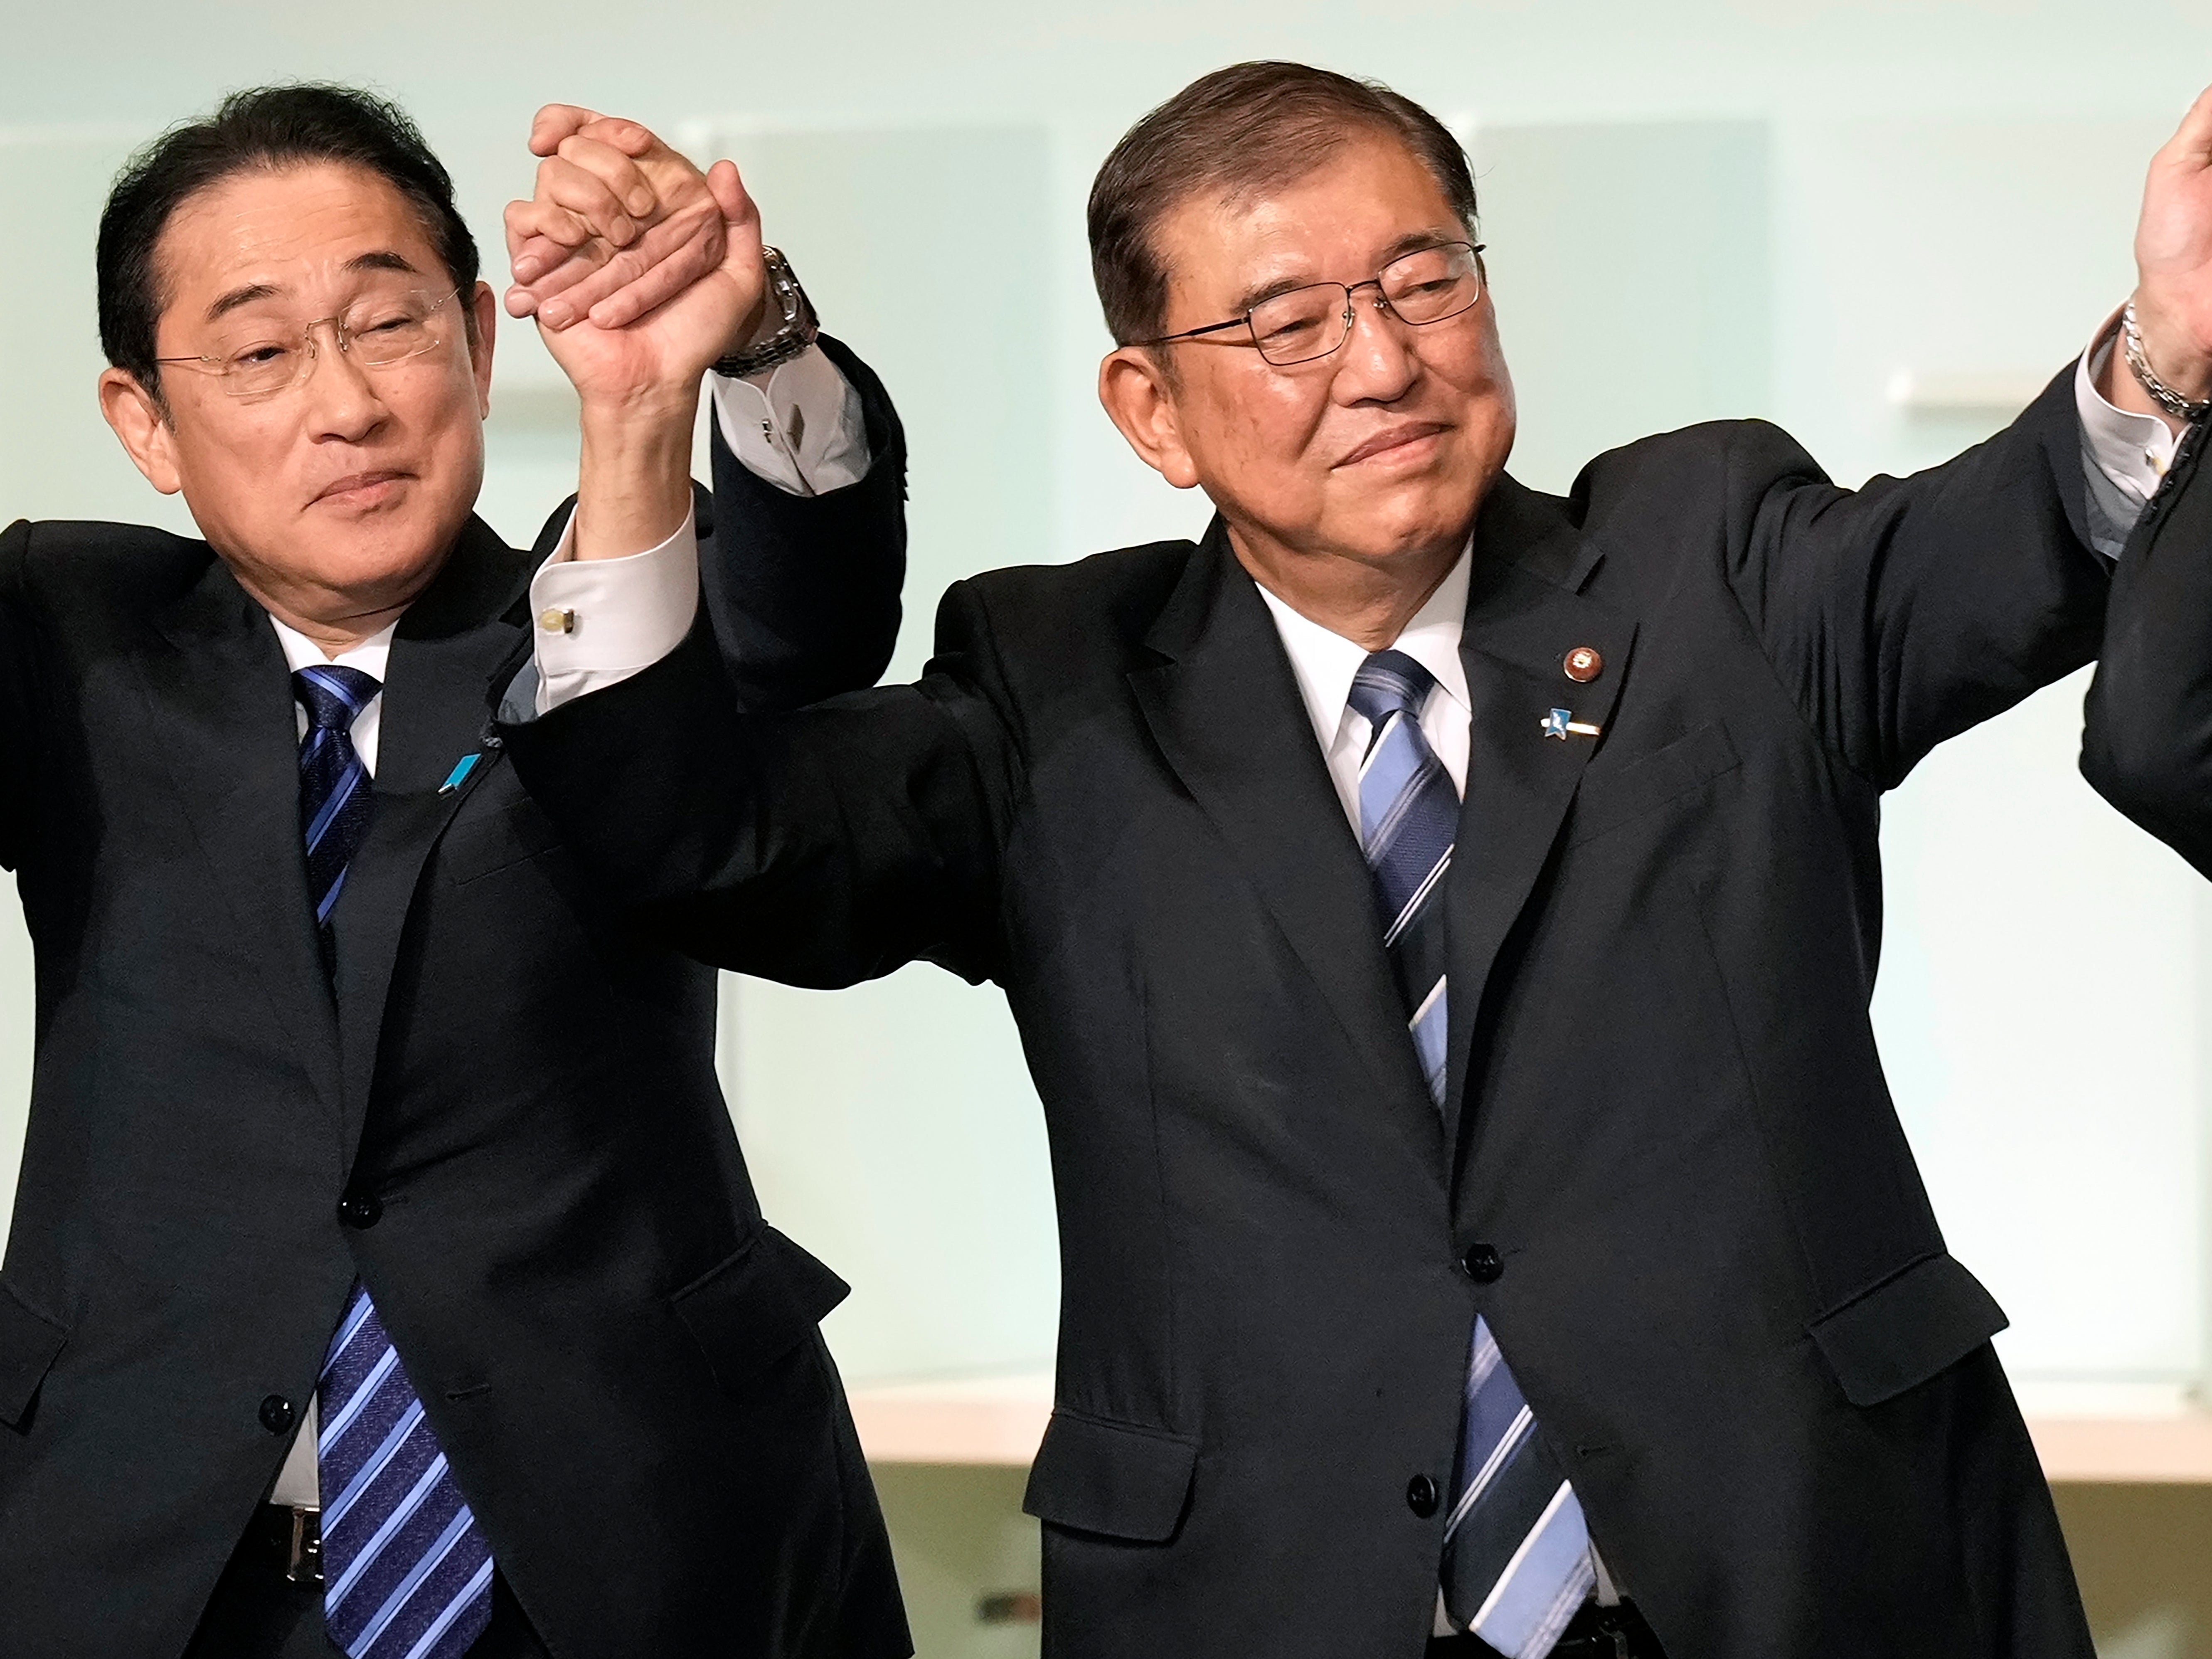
800,328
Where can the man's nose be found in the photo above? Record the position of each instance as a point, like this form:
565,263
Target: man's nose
341,400
1376,362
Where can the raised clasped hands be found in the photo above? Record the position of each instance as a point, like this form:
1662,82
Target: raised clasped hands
639,270
2174,257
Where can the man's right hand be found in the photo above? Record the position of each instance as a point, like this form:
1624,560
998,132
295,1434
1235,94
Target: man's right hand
619,224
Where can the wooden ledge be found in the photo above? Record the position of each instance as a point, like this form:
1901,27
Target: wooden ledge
986,1421
2116,1434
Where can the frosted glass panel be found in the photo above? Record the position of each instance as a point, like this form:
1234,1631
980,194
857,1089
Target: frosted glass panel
1629,264
2040,987
892,1129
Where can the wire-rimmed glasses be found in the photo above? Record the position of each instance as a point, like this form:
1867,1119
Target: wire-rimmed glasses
259,359
1426,286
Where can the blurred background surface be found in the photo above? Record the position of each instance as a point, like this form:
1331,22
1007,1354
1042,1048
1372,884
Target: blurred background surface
1883,225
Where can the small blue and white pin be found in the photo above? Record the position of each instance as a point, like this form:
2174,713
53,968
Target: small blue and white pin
1562,721
459,774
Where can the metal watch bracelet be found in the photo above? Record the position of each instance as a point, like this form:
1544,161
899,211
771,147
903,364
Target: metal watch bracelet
798,330
2181,408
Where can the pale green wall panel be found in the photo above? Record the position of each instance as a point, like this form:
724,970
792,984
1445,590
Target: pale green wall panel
893,1129
1629,262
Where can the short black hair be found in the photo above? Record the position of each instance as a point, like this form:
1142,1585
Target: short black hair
1241,131
269,128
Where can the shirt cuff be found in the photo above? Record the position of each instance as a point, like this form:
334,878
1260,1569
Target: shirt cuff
798,425
2132,450
597,622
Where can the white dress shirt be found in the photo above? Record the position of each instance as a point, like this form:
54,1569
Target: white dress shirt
799,427
2128,454
370,656
1324,663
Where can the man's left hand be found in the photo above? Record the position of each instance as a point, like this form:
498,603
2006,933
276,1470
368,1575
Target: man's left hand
2174,257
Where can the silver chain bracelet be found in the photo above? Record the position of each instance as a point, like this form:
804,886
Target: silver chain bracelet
2162,394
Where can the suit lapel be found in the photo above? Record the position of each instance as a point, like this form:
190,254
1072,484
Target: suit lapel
222,720
435,712
1524,615
1224,708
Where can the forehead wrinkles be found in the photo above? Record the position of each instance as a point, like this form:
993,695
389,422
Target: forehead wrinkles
293,221
1212,214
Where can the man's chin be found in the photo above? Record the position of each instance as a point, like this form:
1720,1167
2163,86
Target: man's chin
1400,531
380,570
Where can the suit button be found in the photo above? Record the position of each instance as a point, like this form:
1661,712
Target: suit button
277,1414
1482,1263
361,1210
1421,1496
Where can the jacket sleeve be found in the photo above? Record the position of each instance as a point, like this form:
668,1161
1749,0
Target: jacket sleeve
2147,735
804,590
820,847
1901,613
18,699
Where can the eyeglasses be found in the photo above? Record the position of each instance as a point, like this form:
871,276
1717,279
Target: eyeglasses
1426,286
258,360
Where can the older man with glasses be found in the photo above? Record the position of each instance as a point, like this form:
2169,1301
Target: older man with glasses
385,1277
1441,919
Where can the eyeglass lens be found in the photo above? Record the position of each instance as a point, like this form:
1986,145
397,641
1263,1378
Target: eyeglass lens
1426,286
260,355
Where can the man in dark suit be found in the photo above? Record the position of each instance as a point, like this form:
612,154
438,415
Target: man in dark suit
385,1277
1441,919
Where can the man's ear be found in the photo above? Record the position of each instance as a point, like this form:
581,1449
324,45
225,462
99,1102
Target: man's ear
484,309
142,421
1140,398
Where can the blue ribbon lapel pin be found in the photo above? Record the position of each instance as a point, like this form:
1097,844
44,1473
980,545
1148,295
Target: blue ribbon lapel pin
1561,721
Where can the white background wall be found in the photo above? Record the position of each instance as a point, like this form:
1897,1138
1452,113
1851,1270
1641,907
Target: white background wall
1694,210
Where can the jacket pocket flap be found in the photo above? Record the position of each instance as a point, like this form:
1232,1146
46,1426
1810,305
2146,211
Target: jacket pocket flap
28,1343
1111,1478
1609,798
481,847
757,1306
1915,1323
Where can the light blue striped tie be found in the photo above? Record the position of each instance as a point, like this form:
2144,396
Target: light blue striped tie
406,1571
1517,1561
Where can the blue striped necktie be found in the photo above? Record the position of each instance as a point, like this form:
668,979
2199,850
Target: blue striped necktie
1517,1561
406,1571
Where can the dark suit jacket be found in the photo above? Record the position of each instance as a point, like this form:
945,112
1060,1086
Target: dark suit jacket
2146,737
617,1353
1723,1286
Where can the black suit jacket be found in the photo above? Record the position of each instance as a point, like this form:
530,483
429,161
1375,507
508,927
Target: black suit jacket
1721,1284
617,1353
2147,737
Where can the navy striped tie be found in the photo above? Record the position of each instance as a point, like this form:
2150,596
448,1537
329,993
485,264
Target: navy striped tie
1516,1557
406,1571
335,799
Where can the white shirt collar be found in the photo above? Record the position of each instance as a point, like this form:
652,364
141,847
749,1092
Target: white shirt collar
1325,662
371,656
